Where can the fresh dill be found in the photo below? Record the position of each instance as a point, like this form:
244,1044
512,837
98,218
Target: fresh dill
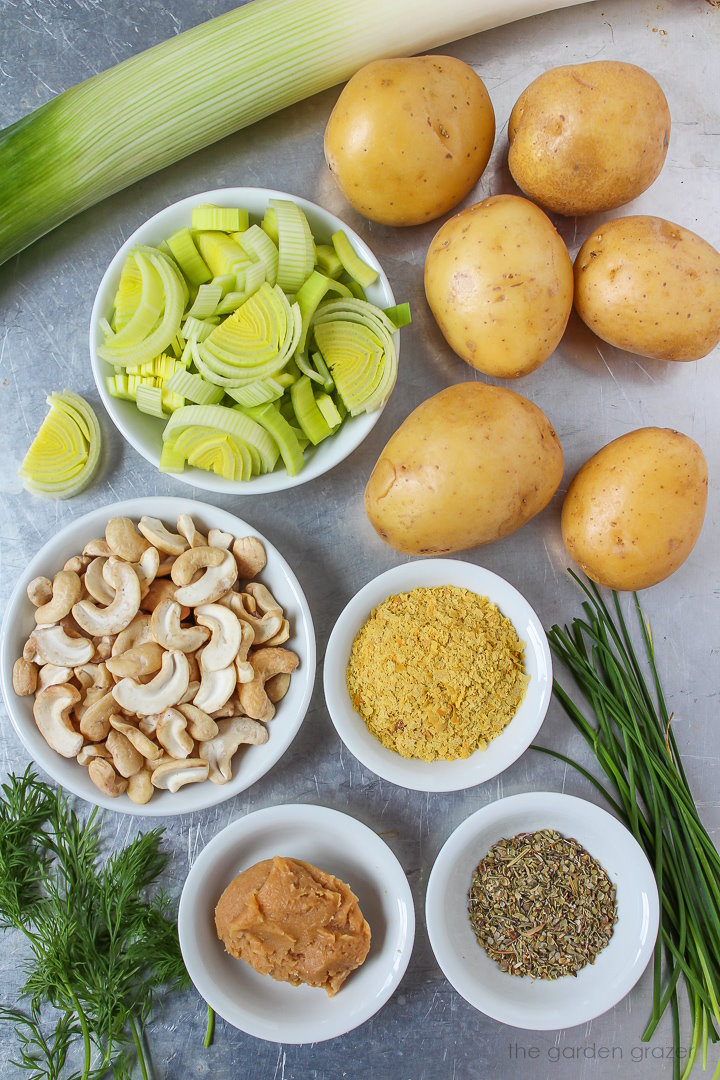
100,949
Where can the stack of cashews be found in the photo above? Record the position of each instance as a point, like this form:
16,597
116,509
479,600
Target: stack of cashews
149,664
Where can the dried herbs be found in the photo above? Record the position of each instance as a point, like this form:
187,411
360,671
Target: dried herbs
540,905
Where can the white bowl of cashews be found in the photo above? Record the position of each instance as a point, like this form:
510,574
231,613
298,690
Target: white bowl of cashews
158,656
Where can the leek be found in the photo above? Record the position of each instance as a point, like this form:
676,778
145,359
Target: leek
66,450
162,104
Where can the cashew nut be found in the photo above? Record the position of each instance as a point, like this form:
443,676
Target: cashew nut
66,591
277,687
139,740
95,582
199,725
25,677
263,598
137,633
226,635
78,564
126,759
219,539
142,660
97,548
264,628
124,540
190,693
103,646
232,733
104,776
124,607
173,775
52,645
282,635
220,573
186,528
95,719
140,788
167,631
172,735
161,589
164,690
243,666
90,751
160,537
39,591
146,569
215,688
53,675
266,663
51,711
250,556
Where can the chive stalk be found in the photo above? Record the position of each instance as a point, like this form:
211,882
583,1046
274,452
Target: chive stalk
634,744
185,93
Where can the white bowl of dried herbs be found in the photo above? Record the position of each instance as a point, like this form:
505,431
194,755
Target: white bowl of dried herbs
542,910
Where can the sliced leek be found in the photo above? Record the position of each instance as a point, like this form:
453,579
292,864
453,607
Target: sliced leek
66,450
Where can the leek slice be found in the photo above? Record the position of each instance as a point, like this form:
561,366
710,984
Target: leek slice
229,421
207,299
219,218
329,410
399,315
194,388
149,400
269,225
308,416
128,295
188,257
322,370
357,344
219,252
198,329
307,369
226,283
259,246
327,261
170,460
283,434
354,266
163,288
255,342
295,245
65,452
260,392
309,296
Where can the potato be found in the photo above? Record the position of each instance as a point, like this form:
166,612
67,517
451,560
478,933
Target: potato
651,287
409,138
498,279
588,137
635,509
468,466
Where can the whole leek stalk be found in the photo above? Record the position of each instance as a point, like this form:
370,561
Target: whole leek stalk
156,107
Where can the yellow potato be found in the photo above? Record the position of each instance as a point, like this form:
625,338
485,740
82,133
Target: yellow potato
409,138
498,279
468,466
633,512
651,287
588,137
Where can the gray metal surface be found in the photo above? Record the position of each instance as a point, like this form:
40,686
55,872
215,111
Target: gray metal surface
591,392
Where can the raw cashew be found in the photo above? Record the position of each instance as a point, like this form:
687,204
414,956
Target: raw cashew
90,751
126,758
172,735
54,675
219,539
161,589
232,733
226,635
124,607
77,564
141,660
199,725
277,687
282,635
250,556
134,735
95,720
124,540
172,775
263,628
104,777
66,591
137,633
263,598
186,527
266,663
140,788
97,548
243,666
95,582
24,677
39,591
220,574
52,716
160,537
52,645
215,688
168,632
164,690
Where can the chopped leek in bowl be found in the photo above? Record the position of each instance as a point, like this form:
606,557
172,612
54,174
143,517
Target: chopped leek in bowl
245,340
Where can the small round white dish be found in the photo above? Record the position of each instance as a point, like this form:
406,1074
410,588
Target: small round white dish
144,432
251,762
338,844
539,1004
503,750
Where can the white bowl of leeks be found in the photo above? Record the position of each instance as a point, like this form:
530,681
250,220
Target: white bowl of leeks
144,432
